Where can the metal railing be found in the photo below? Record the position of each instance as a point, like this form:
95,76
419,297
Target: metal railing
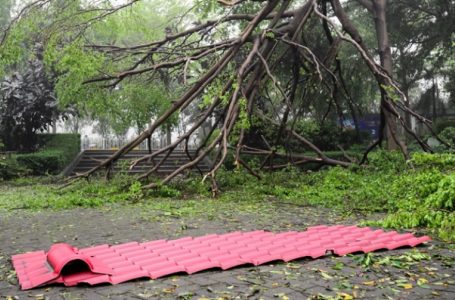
94,143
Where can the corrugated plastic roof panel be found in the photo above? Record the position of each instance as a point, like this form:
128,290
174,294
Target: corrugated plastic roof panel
118,263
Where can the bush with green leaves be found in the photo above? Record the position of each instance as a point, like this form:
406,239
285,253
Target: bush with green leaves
424,199
43,162
9,168
27,106
443,123
68,143
441,161
419,193
328,136
448,135
422,196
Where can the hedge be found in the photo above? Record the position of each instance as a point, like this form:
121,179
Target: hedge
68,143
56,152
42,162
9,168
443,123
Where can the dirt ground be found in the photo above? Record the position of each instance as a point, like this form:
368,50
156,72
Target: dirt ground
395,275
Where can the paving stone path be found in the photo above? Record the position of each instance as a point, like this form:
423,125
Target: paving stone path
427,272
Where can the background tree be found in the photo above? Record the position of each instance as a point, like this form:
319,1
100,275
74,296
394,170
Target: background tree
27,106
422,42
5,13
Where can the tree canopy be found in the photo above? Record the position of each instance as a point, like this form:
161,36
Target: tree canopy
241,67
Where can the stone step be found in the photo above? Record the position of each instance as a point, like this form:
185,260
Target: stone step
89,159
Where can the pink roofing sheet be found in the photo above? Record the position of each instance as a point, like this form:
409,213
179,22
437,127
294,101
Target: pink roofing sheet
154,259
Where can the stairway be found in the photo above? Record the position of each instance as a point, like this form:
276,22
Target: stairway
88,159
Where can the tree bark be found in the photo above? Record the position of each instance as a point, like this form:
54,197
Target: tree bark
385,54
168,135
405,86
434,96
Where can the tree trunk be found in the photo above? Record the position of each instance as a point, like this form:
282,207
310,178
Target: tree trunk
149,144
385,54
168,135
405,87
433,118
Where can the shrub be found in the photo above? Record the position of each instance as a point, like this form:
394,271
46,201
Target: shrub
328,136
350,190
440,125
423,197
386,161
43,162
67,143
448,135
325,136
424,200
9,169
444,196
166,191
442,161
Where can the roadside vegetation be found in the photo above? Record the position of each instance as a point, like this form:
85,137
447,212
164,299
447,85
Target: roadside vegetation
418,194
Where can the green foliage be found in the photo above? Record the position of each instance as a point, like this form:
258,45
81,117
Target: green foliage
9,168
386,162
327,136
441,124
448,135
75,64
135,104
191,186
12,50
43,162
135,191
444,196
404,261
424,197
65,30
442,161
243,122
81,194
213,91
67,143
27,106
421,196
166,192
36,194
208,8
57,150
391,92
366,260
347,189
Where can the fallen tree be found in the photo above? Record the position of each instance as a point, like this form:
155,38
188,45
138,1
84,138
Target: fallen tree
269,72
